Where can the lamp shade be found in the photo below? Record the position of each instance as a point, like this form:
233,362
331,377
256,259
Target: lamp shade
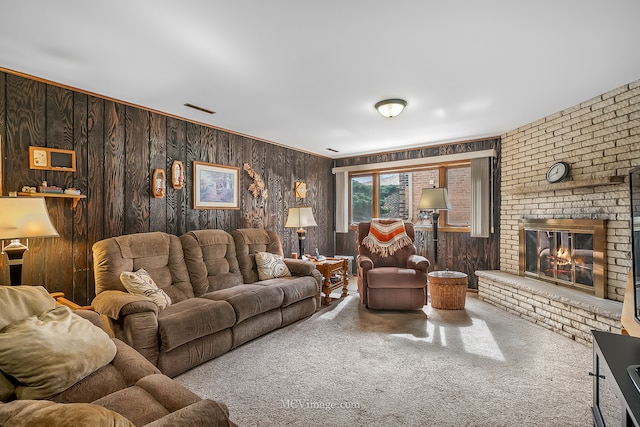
434,198
25,217
300,217
391,107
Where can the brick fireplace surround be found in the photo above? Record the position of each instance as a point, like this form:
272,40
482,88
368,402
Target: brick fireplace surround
600,139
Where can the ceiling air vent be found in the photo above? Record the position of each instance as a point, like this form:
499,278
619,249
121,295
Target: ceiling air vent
195,107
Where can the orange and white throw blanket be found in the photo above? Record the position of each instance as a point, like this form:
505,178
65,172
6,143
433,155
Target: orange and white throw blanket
385,238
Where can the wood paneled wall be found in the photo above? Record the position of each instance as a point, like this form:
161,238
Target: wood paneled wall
117,147
456,251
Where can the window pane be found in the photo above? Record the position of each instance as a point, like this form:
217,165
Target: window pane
459,190
361,198
422,179
394,195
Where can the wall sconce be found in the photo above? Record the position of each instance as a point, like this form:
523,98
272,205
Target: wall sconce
300,218
22,218
434,199
300,189
391,107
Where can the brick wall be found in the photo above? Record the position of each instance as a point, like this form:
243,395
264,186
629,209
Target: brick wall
423,179
599,138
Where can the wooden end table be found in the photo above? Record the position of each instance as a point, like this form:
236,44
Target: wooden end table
327,268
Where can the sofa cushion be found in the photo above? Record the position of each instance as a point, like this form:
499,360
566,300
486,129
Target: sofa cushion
48,353
294,288
249,241
270,266
6,388
249,300
210,256
140,283
150,399
23,413
188,320
160,254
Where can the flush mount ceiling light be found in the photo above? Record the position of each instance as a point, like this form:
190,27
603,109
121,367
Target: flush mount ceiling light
391,107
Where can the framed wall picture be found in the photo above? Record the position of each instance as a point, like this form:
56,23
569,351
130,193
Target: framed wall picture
177,174
215,186
52,159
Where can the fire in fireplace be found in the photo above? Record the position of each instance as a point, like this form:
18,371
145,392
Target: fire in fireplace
567,252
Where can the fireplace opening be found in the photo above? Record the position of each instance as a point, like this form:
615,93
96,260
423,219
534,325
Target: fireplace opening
565,252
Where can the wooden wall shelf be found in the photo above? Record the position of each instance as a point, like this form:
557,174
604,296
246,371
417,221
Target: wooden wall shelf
567,185
74,202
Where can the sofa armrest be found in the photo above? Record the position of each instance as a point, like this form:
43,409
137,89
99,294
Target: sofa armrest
300,267
418,262
115,304
91,316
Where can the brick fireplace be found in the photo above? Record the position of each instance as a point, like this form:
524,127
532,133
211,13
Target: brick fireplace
599,138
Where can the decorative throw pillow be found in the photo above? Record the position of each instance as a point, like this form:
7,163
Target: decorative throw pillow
140,283
50,352
271,266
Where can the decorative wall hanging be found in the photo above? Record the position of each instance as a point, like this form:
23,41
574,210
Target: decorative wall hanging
300,190
215,186
257,188
159,183
177,174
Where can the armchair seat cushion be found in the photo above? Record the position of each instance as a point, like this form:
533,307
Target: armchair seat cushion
249,300
396,278
194,318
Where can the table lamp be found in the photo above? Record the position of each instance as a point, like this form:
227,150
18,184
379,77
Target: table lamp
300,218
434,199
22,218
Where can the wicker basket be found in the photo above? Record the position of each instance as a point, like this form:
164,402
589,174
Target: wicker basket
448,289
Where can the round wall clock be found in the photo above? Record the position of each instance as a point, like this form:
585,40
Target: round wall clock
557,172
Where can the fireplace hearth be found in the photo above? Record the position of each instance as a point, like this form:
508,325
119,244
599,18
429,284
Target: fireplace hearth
567,252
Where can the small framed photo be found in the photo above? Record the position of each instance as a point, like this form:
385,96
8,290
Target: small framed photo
177,174
159,181
215,186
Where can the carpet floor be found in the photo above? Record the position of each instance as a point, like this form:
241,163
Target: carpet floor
350,366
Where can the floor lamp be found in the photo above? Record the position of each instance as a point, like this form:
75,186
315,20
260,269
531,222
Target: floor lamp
22,218
435,199
300,218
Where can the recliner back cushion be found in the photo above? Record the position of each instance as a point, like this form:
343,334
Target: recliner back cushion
399,257
249,241
160,254
210,256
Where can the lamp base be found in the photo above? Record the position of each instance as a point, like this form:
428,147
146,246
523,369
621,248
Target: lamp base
435,216
302,235
15,250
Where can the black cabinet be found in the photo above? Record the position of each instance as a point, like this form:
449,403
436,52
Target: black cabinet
616,400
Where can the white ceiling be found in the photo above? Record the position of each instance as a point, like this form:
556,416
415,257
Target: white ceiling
306,74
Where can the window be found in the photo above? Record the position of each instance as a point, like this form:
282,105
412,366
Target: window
396,194
361,198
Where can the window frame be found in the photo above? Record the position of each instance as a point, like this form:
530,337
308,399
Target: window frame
375,179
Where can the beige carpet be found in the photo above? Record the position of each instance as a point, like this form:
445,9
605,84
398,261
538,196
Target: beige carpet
349,366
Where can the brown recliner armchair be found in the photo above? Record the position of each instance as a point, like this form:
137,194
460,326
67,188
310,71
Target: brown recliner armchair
391,281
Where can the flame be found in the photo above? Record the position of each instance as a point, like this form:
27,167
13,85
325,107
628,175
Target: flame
563,256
